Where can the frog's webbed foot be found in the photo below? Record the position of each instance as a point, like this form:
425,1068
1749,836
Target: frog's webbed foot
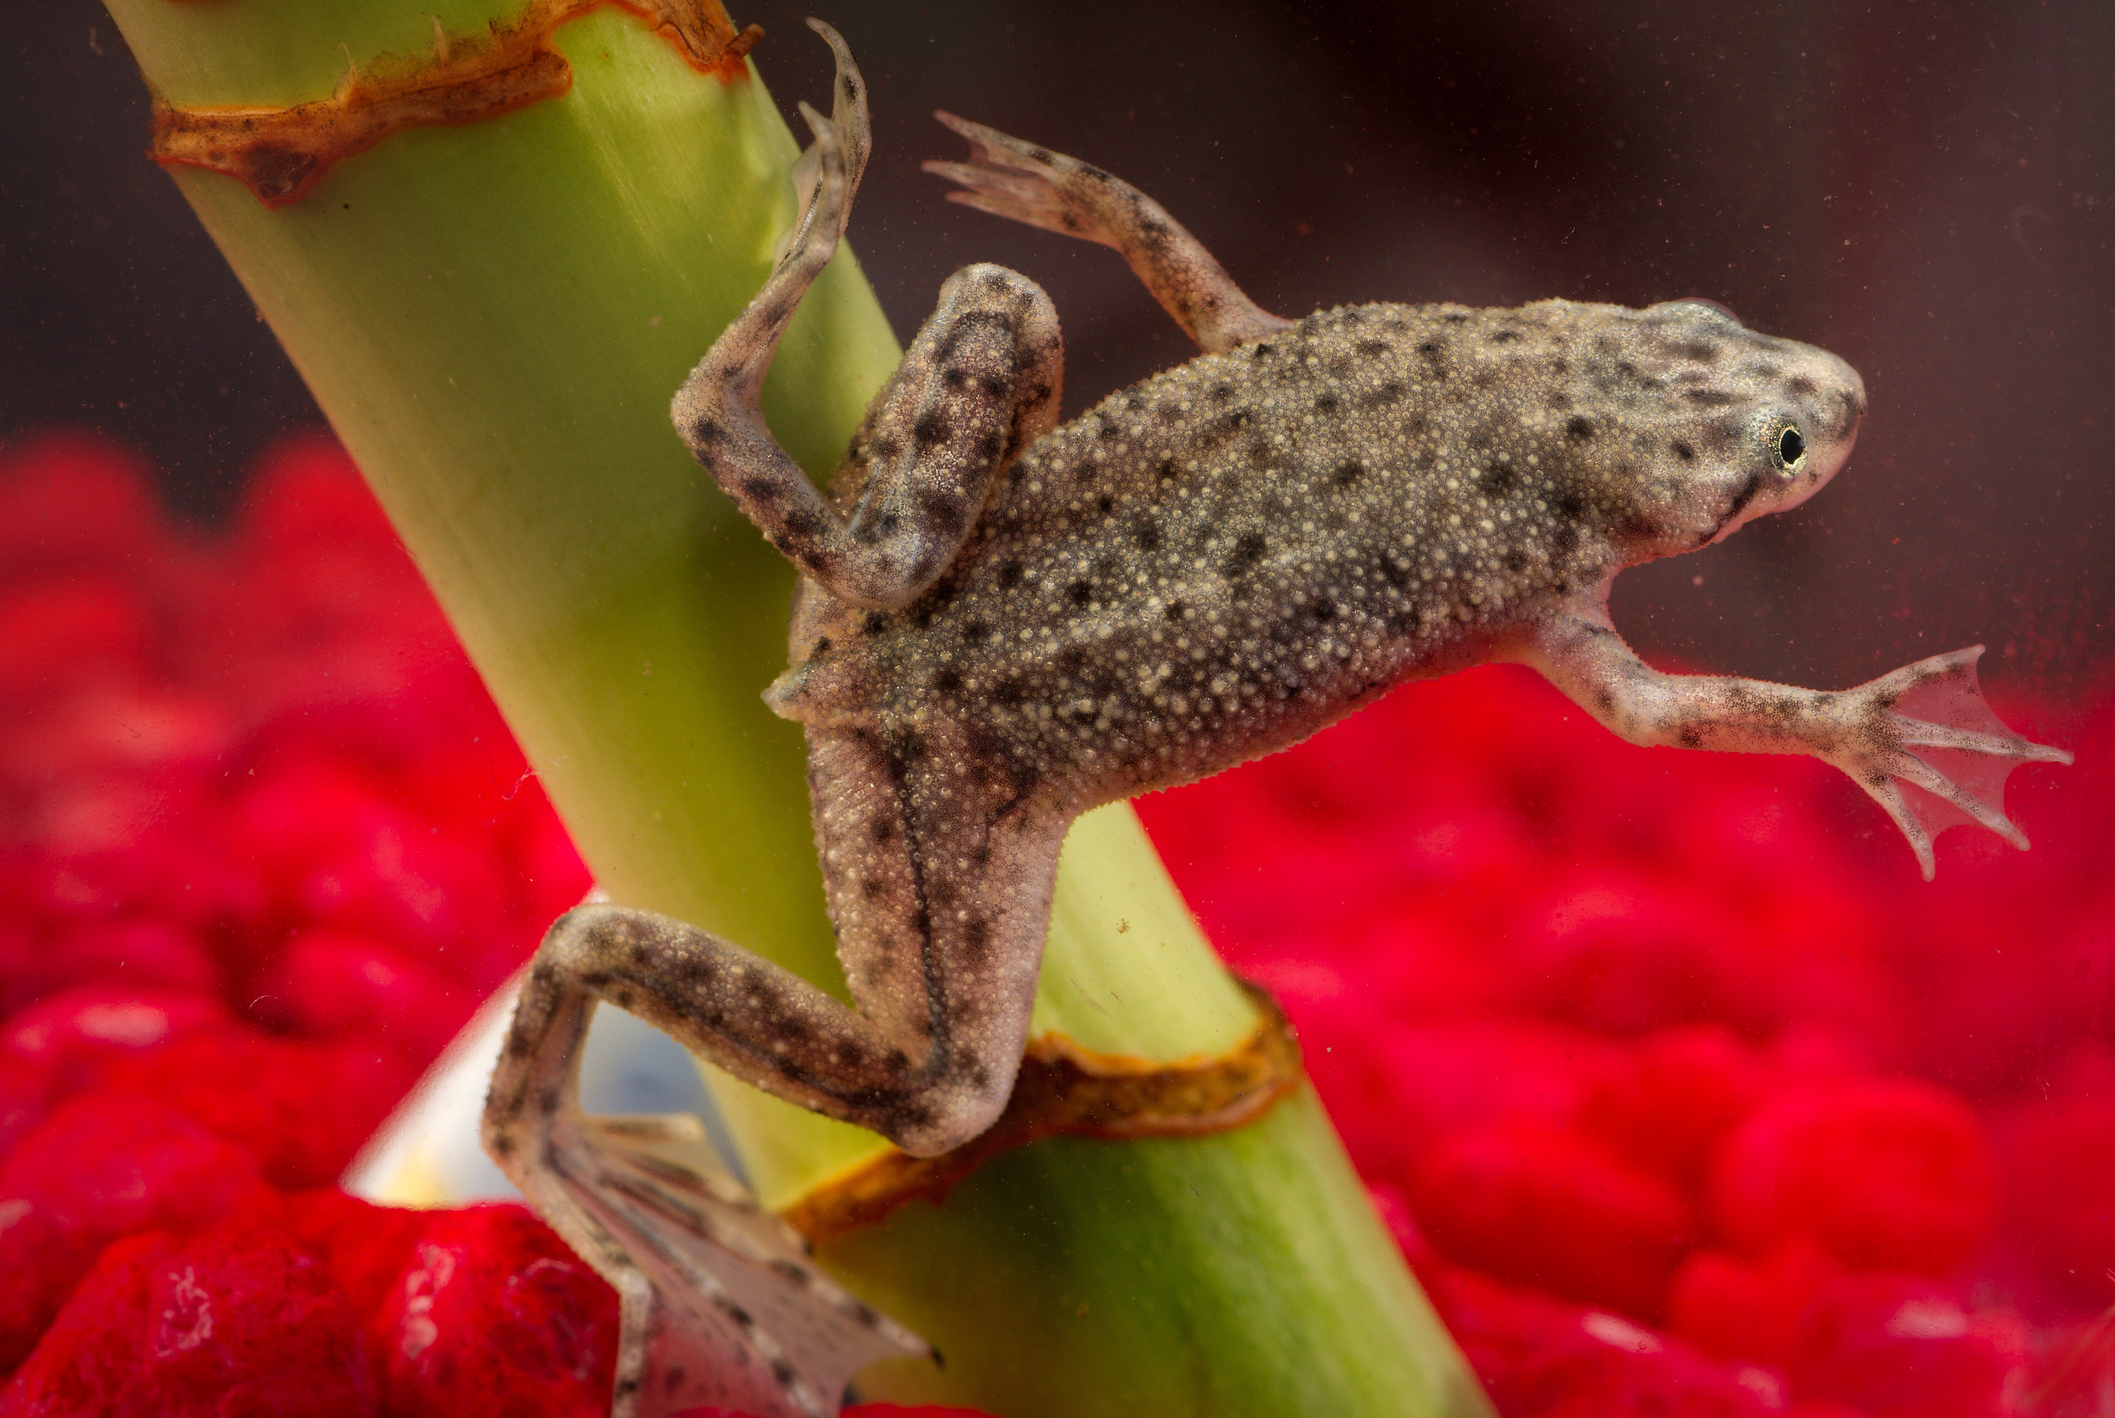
1928,726
1027,183
842,143
720,1303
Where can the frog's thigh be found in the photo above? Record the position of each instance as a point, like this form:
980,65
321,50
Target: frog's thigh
980,382
938,865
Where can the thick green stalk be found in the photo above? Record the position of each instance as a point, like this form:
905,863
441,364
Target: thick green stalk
493,316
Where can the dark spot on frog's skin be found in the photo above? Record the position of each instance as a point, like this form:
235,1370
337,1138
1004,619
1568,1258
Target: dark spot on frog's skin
1105,504
954,378
1080,592
1799,386
1167,470
1237,419
783,1372
975,632
948,681
943,510
1248,550
976,938
1504,337
1683,451
1455,317
1566,538
1109,431
1497,480
705,432
886,447
1741,499
1009,577
1516,560
1261,352
1149,536
1701,351
1347,473
1388,393
1689,737
1708,398
1041,155
1325,610
874,623
1219,393
802,524
1579,429
933,428
1175,610
1373,349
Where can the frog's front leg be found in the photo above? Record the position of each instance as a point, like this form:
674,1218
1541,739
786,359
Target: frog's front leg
1010,178
1925,725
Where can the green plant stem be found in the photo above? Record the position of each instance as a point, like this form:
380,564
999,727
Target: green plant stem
493,317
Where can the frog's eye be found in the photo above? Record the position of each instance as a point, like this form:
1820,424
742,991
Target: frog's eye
1788,450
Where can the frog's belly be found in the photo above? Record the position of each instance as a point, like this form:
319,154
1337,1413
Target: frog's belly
1105,727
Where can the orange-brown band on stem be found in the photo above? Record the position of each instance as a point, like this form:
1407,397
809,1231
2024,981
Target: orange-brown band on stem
280,153
1064,1089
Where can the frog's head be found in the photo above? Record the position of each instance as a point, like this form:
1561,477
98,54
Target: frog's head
1736,424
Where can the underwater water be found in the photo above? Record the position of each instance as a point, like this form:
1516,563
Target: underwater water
1680,1090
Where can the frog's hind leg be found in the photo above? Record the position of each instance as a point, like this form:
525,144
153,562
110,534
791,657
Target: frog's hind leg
980,383
1010,178
720,1304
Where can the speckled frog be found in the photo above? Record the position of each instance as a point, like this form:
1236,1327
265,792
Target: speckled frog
1003,622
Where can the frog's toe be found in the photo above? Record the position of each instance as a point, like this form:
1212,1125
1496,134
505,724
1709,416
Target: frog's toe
1015,180
1951,750
722,1305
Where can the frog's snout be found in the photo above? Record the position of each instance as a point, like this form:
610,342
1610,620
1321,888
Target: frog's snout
1835,407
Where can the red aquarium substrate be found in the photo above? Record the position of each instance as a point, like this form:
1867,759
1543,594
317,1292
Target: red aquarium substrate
1682,1093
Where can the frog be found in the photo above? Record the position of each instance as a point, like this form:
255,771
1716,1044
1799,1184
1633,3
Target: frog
1003,620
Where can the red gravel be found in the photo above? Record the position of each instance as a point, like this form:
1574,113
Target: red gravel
1682,1094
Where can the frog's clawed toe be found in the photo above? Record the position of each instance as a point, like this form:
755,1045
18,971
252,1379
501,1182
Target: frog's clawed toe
842,142
1935,733
1016,180
722,1306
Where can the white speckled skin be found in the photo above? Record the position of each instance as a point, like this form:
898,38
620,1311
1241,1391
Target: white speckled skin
1002,623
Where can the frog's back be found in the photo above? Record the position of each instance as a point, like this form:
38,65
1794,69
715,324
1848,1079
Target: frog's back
1239,549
